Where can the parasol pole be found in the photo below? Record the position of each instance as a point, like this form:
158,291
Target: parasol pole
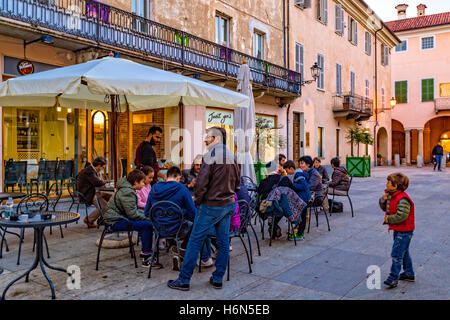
114,137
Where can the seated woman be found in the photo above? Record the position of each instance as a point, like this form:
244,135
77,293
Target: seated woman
302,188
189,176
143,193
124,205
340,181
321,170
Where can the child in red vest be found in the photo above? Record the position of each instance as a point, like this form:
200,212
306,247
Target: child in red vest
399,209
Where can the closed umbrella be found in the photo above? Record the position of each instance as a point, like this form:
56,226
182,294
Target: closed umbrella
244,124
114,84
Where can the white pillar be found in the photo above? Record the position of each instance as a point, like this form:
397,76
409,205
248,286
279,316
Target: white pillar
408,146
420,149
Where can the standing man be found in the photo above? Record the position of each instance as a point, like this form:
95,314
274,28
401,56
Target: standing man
215,188
146,155
437,154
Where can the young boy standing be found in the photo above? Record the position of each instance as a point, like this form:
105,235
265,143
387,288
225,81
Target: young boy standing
399,209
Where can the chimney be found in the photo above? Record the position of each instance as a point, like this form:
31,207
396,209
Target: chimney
401,11
421,10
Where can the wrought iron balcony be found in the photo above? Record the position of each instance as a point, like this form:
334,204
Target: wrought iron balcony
352,106
442,104
104,24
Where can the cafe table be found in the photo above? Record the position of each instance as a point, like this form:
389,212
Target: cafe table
38,224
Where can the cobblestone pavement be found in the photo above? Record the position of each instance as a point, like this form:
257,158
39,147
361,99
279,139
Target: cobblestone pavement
327,265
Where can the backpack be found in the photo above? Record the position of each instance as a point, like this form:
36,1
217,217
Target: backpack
335,206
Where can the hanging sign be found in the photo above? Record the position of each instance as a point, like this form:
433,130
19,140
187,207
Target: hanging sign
266,121
219,117
25,67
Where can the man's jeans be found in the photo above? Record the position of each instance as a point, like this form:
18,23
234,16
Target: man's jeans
207,216
400,255
144,228
438,161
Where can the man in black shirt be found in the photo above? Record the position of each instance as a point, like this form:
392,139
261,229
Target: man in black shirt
146,155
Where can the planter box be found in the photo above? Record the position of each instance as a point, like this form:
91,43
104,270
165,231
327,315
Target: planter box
260,171
358,166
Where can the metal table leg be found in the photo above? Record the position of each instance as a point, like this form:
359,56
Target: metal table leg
39,259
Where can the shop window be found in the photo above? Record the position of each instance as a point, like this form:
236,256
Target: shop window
267,141
99,142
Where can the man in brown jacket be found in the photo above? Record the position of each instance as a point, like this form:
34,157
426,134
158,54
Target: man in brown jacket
215,188
340,181
87,181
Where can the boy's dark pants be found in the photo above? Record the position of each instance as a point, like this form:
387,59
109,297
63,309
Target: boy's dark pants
400,255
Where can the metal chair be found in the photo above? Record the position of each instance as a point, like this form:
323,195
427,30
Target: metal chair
245,217
16,173
46,174
253,212
78,198
108,230
345,195
31,204
167,220
312,205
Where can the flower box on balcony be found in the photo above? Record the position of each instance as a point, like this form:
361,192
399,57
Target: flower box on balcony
92,8
223,53
179,39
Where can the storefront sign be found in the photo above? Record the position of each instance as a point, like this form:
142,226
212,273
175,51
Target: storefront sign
266,122
219,117
25,67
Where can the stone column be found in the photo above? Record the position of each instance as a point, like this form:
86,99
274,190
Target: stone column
408,146
420,148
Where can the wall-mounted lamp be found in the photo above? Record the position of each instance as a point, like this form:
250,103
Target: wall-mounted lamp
315,70
45,39
393,103
58,109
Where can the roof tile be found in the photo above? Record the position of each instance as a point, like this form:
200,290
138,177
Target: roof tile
419,22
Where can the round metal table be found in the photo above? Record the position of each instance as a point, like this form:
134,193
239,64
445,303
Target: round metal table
58,218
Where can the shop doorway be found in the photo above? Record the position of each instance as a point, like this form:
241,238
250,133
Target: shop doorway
445,142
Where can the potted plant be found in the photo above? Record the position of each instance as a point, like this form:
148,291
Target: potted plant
358,166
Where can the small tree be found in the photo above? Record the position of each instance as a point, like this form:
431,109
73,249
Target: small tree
353,137
365,138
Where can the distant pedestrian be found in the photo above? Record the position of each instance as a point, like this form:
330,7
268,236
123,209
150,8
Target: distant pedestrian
215,188
437,153
399,215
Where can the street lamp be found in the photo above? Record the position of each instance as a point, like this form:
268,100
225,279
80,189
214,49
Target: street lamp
315,70
393,103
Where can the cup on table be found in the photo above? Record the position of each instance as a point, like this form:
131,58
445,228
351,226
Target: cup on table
23,217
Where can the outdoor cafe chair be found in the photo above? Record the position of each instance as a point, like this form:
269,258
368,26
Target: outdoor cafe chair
78,198
245,217
344,194
30,204
109,230
16,173
316,208
165,217
46,174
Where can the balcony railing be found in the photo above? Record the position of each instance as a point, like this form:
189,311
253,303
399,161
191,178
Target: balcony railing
105,24
442,104
353,106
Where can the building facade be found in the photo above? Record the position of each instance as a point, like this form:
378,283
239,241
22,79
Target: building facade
422,115
208,41
352,46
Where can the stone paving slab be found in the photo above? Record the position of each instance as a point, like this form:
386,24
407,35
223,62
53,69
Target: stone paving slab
326,265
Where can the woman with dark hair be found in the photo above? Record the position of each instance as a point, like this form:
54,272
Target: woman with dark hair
143,193
123,205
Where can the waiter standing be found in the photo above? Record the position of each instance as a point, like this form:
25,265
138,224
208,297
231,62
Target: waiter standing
146,155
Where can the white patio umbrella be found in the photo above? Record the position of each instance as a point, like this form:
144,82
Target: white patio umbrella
112,84
244,124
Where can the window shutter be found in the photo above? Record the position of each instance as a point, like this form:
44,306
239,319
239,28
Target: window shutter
401,91
352,83
386,55
325,11
297,57
307,4
319,3
337,19
356,32
427,89
338,79
382,55
302,62
342,21
350,27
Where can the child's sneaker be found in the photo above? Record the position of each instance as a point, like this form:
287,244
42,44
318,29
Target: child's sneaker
391,283
298,237
406,277
207,263
155,264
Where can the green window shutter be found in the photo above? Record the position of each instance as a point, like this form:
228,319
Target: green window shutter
427,90
401,91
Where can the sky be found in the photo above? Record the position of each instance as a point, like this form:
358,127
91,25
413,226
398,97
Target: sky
385,9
